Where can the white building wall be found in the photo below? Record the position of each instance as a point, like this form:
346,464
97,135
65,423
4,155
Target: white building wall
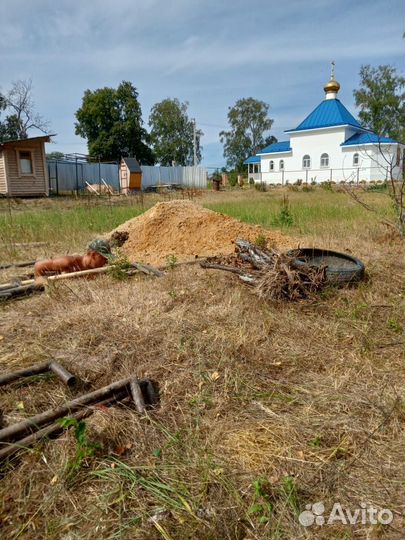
315,143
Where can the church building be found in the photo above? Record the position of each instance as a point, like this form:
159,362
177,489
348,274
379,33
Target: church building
328,145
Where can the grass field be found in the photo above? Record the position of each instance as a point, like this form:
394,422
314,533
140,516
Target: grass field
70,223
266,408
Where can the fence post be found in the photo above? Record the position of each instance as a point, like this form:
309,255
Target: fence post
330,179
77,177
358,173
56,177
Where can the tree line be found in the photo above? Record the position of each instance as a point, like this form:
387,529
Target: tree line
110,119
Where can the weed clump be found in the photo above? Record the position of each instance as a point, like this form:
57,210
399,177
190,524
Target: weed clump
284,217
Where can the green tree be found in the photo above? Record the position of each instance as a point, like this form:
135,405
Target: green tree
381,99
249,126
20,112
111,121
172,133
55,155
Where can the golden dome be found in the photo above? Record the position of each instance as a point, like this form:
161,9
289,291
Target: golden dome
331,86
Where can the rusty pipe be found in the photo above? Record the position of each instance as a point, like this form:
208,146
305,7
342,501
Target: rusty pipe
64,375
27,372
31,424
52,429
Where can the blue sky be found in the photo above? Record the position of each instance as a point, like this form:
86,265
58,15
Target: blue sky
209,53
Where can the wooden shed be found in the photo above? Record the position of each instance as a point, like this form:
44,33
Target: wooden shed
23,170
130,175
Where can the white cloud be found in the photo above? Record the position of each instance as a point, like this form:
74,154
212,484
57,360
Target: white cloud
209,53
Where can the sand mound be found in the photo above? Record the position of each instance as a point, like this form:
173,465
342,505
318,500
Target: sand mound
187,230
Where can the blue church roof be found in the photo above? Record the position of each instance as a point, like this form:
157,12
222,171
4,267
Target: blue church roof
252,159
366,138
281,146
329,112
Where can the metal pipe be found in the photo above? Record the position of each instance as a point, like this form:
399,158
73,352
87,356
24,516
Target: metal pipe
64,375
150,392
57,178
27,372
137,396
16,430
52,429
17,265
25,289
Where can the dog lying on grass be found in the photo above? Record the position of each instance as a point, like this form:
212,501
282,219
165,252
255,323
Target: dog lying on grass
97,256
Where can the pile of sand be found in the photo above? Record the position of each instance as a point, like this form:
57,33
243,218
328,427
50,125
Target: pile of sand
187,230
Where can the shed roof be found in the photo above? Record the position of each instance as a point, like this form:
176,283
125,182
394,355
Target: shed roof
329,113
45,138
132,164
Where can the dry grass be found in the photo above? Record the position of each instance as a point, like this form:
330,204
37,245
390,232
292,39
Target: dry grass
265,407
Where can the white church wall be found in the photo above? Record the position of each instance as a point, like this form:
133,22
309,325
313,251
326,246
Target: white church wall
312,143
373,161
315,143
383,158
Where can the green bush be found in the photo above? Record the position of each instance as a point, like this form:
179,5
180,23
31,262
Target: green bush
251,181
284,217
378,188
233,178
261,241
261,186
327,186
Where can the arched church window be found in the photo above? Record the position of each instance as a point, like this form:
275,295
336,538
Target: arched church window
306,162
356,159
271,166
281,166
324,160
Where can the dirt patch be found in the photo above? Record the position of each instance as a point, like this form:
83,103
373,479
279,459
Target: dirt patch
187,230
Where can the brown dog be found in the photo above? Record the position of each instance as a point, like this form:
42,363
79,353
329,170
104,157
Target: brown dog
70,263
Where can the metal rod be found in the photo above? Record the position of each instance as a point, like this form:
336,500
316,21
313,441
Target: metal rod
33,370
147,269
64,375
17,265
16,291
137,396
52,429
16,430
57,177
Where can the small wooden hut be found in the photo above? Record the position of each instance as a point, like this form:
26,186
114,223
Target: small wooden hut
130,175
23,170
